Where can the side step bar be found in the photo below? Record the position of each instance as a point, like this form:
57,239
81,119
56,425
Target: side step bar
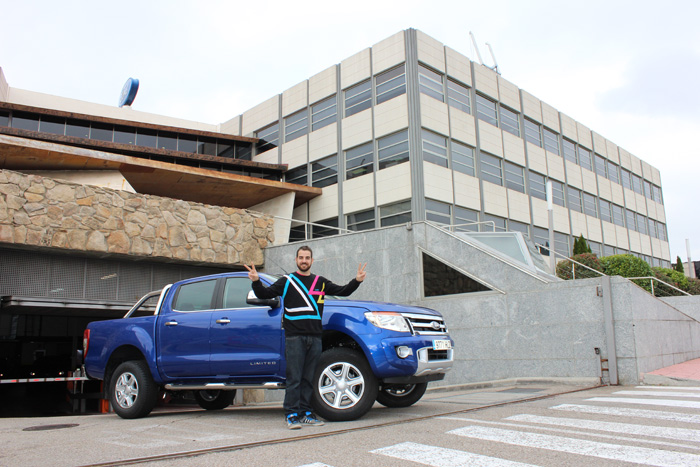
222,386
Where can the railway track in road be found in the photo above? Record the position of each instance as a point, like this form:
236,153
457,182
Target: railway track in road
325,434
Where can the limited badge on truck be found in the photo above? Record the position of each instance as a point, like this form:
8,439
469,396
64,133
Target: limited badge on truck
442,344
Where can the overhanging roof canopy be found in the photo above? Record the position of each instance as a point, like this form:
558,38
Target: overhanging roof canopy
150,176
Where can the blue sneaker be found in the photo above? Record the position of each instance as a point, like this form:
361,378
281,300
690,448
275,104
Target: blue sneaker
293,422
309,419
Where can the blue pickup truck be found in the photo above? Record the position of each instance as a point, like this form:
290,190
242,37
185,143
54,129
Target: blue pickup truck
211,335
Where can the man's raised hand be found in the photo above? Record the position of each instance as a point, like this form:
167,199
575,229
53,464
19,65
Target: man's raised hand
252,273
361,274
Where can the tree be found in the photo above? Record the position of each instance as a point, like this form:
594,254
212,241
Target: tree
679,265
581,246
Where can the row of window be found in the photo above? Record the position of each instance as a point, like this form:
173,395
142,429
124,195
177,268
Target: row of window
431,83
126,135
462,219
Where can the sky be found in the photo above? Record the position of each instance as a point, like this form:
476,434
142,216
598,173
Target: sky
628,70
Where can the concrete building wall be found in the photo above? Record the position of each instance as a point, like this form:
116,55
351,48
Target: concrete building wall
528,325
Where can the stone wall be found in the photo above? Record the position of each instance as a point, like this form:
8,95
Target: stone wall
46,212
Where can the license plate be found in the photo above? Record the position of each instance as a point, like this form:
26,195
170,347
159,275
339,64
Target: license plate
442,345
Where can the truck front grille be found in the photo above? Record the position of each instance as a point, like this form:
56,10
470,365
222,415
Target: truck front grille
425,324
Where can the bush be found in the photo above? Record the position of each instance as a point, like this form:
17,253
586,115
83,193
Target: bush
694,286
581,246
564,268
628,266
673,277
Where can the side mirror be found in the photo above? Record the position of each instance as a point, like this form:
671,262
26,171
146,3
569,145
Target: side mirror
251,299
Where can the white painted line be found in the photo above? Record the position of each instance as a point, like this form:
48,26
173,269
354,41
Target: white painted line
617,452
657,393
661,402
684,434
671,388
622,412
560,431
442,457
315,464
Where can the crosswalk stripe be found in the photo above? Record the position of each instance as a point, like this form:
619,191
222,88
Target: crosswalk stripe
671,388
658,393
442,457
661,402
616,452
561,431
684,434
618,411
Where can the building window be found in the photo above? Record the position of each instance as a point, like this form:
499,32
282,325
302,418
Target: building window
491,170
390,84
514,226
458,96
393,214
393,149
532,132
647,190
296,125
652,228
499,223
324,113
574,198
359,161
561,242
430,83
104,132
462,158
324,172
601,166
541,237
618,215
538,187
438,212
328,228
626,178
298,176
661,228
569,150
434,148
641,224
486,110
613,172
466,220
551,141
269,138
631,220
605,210
637,184
25,121
657,194
584,158
165,140
189,144
57,126
510,121
363,220
82,130
590,206
557,193
515,179
358,98
4,118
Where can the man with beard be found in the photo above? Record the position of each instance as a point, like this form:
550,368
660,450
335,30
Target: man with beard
303,294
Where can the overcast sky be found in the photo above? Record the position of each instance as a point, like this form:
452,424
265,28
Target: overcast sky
629,70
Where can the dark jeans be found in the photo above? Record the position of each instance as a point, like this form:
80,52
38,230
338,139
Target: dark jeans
302,354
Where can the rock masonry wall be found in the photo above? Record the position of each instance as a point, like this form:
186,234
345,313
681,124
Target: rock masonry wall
46,212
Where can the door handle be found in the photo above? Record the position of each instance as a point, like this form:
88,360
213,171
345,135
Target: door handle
223,321
171,323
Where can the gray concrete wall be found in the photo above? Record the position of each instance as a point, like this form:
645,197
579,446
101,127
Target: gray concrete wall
528,326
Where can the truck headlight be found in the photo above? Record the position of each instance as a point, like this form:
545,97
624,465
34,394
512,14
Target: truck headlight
388,320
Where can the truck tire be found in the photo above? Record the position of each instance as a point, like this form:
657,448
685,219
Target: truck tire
133,393
344,386
401,395
214,400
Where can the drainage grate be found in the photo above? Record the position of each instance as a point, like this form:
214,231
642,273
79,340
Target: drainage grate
50,427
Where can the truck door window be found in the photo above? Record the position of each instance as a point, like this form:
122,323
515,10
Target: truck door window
195,296
235,292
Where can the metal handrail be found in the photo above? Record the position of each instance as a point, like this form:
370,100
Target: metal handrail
574,263
651,282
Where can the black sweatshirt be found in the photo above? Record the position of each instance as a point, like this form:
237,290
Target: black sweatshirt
303,298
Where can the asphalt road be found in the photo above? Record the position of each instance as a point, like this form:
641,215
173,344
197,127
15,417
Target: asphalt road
532,424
